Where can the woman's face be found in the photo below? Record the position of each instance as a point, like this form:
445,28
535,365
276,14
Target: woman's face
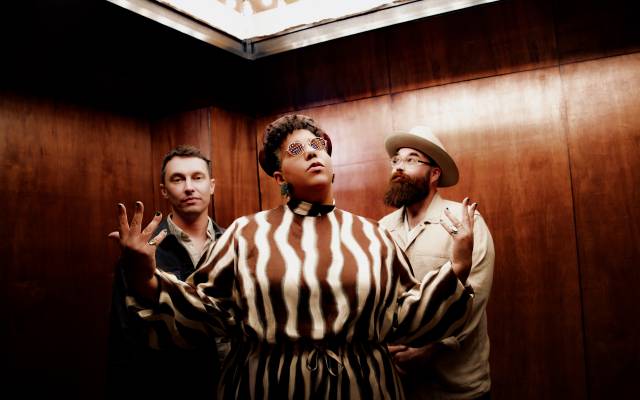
310,172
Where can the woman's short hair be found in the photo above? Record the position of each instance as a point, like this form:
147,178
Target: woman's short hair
276,133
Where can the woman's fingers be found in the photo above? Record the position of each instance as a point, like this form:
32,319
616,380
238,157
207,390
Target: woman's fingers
151,227
395,348
455,226
465,211
471,210
452,230
155,241
466,222
123,222
130,235
136,221
455,222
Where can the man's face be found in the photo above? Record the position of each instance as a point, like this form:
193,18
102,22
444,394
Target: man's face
310,169
187,185
410,178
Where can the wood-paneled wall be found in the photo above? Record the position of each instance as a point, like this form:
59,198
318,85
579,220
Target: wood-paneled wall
63,169
234,165
603,134
536,101
507,134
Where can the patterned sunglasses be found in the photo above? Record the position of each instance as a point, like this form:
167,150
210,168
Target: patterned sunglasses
296,148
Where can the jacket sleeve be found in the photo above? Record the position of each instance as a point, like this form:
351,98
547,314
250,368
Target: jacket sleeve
200,308
432,309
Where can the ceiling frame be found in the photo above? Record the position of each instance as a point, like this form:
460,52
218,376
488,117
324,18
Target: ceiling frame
254,48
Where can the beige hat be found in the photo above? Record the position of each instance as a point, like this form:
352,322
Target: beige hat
421,138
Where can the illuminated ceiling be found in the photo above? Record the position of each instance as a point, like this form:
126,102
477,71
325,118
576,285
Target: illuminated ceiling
257,28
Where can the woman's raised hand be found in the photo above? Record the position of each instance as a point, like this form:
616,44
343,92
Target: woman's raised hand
461,232
138,247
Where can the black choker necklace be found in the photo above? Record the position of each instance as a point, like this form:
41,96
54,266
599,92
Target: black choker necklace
301,207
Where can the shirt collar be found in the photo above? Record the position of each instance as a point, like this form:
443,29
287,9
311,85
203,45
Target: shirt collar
179,233
434,211
304,208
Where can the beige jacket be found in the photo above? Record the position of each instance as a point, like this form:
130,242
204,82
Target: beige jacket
461,371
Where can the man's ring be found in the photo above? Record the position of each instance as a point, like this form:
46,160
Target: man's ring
454,230
152,242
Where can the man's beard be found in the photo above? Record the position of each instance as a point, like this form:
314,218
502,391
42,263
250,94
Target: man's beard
404,190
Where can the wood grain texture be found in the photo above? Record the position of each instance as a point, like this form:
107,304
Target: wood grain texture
492,39
602,103
350,68
360,188
233,149
507,135
590,29
64,169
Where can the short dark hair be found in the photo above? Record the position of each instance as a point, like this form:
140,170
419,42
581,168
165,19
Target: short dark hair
183,150
276,133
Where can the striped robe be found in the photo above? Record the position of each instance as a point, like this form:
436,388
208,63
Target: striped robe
309,296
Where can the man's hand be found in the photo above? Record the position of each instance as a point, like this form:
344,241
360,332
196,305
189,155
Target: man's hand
139,249
462,233
411,358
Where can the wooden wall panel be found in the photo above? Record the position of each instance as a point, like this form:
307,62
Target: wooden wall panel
496,38
233,149
507,136
604,138
349,68
189,127
63,168
590,29
360,188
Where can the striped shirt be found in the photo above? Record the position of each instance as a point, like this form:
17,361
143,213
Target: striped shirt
310,296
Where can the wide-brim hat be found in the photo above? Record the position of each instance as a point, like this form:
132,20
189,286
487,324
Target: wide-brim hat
422,139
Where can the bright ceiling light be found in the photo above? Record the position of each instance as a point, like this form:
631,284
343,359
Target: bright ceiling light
267,3
246,8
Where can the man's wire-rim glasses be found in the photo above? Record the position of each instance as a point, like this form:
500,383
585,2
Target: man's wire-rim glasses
410,162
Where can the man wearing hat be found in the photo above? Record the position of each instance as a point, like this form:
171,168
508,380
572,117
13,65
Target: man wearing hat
456,367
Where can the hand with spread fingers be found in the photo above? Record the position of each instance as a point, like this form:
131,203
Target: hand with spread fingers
461,232
138,248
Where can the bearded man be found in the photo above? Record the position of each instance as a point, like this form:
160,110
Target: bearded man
455,367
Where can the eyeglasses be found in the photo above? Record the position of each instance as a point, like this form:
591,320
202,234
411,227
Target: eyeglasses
410,162
297,148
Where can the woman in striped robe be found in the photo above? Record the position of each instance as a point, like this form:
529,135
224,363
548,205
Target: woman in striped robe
309,294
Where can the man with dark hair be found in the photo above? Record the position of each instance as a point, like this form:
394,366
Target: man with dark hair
135,369
456,367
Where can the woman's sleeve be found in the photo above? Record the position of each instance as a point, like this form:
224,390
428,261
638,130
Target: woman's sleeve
430,310
198,309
